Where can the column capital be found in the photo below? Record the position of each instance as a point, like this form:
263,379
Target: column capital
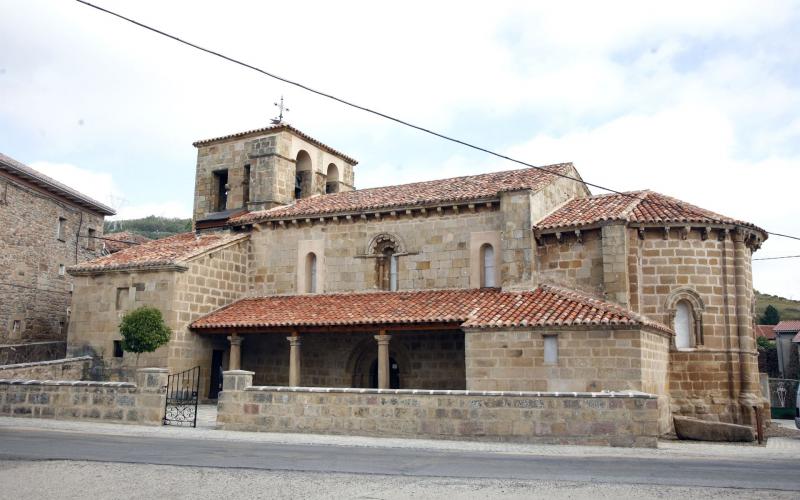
235,339
294,340
383,339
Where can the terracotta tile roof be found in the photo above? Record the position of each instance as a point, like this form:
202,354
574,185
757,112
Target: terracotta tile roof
472,187
49,184
114,242
765,331
171,251
470,308
275,129
788,326
635,206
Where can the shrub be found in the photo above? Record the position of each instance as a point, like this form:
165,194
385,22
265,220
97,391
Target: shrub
143,330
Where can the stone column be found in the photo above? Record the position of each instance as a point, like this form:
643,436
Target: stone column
383,359
294,360
747,347
235,358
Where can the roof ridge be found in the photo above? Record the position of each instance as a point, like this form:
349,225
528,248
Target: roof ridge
626,214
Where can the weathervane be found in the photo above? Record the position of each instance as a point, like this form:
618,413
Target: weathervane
282,109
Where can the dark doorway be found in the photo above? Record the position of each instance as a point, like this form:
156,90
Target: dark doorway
221,180
394,374
216,374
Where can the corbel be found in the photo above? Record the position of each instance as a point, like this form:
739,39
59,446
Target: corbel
489,205
423,211
393,214
455,209
439,211
377,215
471,207
558,236
685,232
666,232
706,233
578,236
409,212
348,218
308,221
335,218
723,234
363,217
640,231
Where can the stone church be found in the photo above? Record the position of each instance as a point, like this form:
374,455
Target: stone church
519,280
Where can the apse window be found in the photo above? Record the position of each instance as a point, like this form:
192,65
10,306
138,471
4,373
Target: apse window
683,325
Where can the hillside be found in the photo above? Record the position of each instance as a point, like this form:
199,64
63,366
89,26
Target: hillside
788,309
152,227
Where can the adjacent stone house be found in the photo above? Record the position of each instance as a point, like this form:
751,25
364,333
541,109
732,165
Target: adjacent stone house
507,281
45,227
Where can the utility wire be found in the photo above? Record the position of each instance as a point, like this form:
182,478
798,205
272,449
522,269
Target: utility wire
389,117
781,257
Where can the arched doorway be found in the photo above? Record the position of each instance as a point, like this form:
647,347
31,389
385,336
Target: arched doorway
394,374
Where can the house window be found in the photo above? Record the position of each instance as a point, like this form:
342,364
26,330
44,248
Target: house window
62,328
311,273
684,320
62,270
221,185
488,274
551,349
118,352
246,186
90,239
16,329
61,230
122,298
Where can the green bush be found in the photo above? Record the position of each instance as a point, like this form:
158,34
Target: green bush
143,330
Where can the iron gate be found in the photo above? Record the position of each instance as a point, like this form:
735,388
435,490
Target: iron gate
181,405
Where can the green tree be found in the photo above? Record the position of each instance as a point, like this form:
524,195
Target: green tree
143,330
771,316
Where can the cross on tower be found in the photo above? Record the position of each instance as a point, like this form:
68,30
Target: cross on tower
282,109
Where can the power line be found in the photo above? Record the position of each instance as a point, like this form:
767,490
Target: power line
781,257
389,117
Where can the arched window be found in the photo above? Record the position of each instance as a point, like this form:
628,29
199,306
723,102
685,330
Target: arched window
303,177
686,310
311,273
386,248
488,275
332,179
683,325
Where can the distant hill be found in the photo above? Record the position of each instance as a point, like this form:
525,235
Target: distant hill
152,227
788,309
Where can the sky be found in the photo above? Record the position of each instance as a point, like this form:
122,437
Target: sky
696,100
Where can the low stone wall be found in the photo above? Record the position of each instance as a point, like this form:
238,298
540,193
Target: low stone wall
607,419
120,402
31,352
59,369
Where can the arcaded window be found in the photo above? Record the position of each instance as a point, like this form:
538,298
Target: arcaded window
332,179
221,187
683,325
303,175
311,273
246,186
488,275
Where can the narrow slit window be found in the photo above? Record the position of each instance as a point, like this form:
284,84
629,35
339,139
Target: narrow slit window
551,349
311,273
90,239
61,230
488,275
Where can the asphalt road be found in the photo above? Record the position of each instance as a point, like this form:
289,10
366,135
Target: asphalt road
18,444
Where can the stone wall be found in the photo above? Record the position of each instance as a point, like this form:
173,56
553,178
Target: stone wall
34,291
605,419
570,262
120,402
59,369
426,360
32,352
